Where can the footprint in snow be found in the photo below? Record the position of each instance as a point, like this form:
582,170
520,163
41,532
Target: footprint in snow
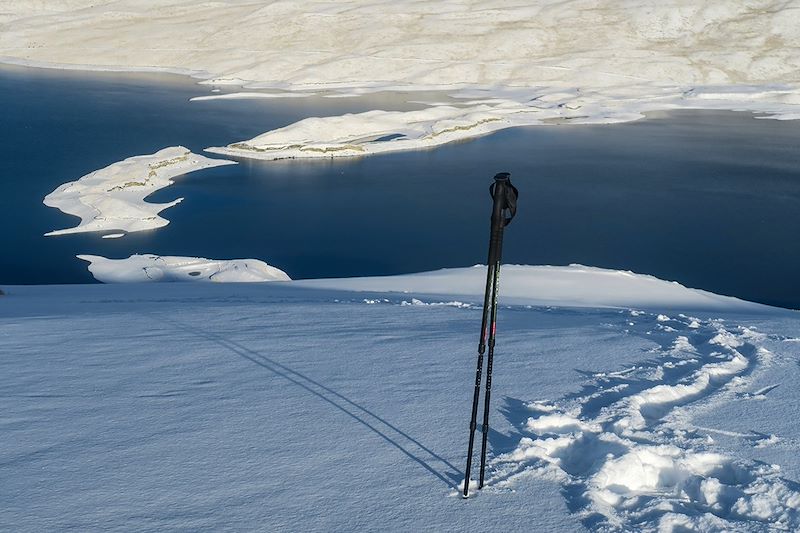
627,462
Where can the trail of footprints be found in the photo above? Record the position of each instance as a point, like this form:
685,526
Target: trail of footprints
625,459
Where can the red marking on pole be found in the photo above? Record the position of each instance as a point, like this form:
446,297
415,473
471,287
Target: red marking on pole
494,328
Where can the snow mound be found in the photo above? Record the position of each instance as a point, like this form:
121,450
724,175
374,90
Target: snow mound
112,198
566,286
149,267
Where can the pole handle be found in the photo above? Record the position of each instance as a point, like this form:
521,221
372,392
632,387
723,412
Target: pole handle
505,197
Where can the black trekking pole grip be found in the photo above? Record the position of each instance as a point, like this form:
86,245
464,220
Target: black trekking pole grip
504,195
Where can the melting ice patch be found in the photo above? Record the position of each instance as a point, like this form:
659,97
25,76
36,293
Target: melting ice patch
112,198
150,267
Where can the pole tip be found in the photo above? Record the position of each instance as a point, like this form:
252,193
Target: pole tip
502,176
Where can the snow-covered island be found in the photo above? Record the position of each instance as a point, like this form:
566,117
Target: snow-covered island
112,198
474,113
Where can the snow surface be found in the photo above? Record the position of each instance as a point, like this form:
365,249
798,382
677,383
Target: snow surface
309,406
573,285
512,63
150,267
273,406
112,198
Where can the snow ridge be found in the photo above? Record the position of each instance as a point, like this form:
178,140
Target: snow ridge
627,459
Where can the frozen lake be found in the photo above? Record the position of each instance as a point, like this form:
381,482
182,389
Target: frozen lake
709,199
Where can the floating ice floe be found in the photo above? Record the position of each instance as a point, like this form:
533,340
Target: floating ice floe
150,267
112,198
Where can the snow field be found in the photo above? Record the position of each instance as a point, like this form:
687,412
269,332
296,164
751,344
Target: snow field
179,406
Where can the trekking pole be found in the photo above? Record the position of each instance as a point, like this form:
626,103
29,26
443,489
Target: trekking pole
504,196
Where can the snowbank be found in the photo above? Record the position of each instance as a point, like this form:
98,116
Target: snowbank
112,198
562,286
150,267
570,286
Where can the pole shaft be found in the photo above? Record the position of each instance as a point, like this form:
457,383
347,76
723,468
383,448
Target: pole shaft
492,331
487,328
481,350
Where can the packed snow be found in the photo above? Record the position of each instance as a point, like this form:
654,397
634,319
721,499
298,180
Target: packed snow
232,406
112,198
140,268
510,63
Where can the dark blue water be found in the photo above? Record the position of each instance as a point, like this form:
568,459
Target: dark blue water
709,199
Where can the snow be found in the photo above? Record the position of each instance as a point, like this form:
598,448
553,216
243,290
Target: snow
573,285
150,267
641,468
229,406
510,63
622,402
380,131
251,95
112,198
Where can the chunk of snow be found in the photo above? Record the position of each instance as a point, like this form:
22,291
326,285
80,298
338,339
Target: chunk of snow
556,423
150,267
